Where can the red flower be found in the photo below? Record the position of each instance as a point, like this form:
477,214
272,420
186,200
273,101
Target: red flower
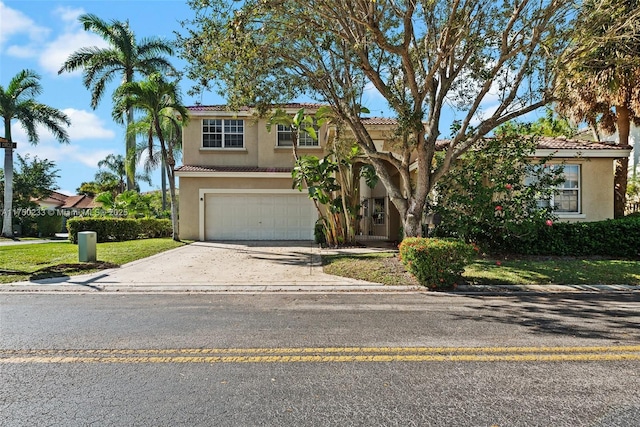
498,263
508,186
549,222
498,208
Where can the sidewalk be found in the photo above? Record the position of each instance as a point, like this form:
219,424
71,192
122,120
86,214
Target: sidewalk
224,267
252,267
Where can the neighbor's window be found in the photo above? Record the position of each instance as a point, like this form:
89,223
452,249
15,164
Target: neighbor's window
285,138
566,197
222,133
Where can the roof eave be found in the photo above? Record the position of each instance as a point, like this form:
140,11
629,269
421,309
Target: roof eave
578,153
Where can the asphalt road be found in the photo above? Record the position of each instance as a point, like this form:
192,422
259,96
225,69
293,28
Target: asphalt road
311,360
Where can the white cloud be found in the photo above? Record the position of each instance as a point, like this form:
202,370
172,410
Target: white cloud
15,23
57,51
68,15
85,125
68,153
51,54
23,52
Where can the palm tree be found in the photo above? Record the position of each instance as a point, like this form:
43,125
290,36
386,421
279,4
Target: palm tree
123,58
114,170
151,157
160,101
602,82
17,102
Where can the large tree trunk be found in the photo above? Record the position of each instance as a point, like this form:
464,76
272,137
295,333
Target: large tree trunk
622,165
412,222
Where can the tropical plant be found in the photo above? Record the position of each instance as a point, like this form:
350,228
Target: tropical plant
124,57
18,102
333,182
601,84
422,57
497,193
111,177
159,100
151,156
551,124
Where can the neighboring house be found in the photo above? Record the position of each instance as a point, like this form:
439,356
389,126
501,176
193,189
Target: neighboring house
236,180
236,183
67,206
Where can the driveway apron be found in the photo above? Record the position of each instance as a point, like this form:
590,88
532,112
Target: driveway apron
217,267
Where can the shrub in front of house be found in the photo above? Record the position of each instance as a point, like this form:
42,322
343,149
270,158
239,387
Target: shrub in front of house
119,229
495,193
152,228
49,225
436,263
618,238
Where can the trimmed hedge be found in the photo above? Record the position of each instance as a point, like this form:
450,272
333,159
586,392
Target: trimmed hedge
119,229
618,238
436,263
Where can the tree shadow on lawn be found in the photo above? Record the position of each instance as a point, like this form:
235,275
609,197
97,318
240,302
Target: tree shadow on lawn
61,270
593,316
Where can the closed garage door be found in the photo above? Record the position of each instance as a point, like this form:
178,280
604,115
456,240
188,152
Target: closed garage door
259,217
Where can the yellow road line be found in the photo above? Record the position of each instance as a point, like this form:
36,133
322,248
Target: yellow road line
324,350
323,355
327,359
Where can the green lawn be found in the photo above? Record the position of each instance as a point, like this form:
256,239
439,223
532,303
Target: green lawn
386,268
43,260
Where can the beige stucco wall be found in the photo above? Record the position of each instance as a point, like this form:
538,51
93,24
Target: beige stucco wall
260,146
596,181
190,196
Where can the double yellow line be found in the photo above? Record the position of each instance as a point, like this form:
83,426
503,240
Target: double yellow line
323,355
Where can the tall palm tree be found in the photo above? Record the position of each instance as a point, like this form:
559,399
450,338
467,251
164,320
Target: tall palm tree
17,102
123,58
151,157
160,101
602,82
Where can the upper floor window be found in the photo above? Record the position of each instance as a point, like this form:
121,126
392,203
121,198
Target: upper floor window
566,195
285,138
222,133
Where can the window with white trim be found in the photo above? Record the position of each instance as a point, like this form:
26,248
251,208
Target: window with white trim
285,138
566,196
222,133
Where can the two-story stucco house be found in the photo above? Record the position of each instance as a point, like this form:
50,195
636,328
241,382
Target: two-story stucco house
236,182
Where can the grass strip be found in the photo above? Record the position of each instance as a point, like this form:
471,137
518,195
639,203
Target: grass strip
58,259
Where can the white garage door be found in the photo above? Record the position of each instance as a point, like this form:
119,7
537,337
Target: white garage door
259,217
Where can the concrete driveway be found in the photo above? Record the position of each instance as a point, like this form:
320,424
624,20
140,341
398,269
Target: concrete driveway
217,267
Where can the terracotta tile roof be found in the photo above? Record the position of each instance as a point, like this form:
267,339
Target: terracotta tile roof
192,168
573,144
81,201
550,143
248,108
63,201
379,121
55,198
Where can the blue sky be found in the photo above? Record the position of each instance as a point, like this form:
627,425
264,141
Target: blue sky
39,35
